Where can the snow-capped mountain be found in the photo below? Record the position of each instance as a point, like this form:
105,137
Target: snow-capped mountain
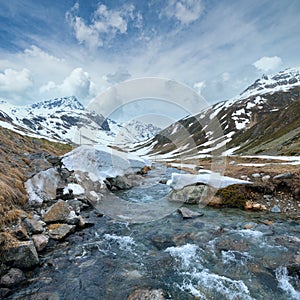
265,118
133,131
66,120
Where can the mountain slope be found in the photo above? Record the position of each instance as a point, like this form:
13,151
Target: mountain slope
66,120
263,119
57,119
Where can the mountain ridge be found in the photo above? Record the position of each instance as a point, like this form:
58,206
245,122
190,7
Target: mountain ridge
228,124
66,120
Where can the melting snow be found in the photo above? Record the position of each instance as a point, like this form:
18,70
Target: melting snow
216,180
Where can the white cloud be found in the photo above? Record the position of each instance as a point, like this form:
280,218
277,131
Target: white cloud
13,81
225,76
118,76
268,63
199,86
36,52
78,83
185,11
105,24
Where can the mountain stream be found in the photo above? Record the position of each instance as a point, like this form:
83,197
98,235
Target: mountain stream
213,256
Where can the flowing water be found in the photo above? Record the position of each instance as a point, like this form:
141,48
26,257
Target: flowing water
210,257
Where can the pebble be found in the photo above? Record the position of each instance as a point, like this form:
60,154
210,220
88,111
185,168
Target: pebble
275,209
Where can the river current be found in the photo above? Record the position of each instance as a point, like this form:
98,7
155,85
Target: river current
225,254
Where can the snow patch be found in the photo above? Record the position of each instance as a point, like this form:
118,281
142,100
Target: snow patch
216,180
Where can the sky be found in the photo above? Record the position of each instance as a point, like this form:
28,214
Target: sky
216,48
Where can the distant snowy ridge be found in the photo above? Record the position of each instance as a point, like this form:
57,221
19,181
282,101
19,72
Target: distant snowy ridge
66,120
133,131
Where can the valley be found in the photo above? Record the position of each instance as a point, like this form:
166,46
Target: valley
214,198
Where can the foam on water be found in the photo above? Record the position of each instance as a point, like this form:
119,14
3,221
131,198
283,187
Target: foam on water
124,242
199,281
255,234
186,253
285,284
236,257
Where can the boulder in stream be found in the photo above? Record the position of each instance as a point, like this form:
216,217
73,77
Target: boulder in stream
20,254
58,212
60,231
189,214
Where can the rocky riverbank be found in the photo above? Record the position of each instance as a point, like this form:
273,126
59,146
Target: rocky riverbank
57,197
275,185
60,205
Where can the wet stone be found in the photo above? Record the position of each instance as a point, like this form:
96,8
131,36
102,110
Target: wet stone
13,277
188,213
60,231
21,254
146,294
4,292
57,212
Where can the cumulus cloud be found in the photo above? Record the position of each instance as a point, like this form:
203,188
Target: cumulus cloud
267,63
78,83
14,81
185,11
106,24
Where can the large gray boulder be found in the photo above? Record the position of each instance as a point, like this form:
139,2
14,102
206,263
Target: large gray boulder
189,195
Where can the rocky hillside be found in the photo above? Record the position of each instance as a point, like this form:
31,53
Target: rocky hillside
264,119
20,158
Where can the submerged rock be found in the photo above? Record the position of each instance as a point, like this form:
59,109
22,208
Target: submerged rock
189,214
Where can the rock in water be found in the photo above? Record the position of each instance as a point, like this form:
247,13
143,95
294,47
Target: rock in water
57,212
13,277
189,214
145,294
189,194
20,254
60,231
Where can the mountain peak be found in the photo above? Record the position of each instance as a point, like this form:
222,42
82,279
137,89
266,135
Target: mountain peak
282,81
65,103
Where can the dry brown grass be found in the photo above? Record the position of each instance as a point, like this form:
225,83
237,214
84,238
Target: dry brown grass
14,167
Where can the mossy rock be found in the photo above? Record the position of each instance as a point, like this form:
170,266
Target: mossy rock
232,196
